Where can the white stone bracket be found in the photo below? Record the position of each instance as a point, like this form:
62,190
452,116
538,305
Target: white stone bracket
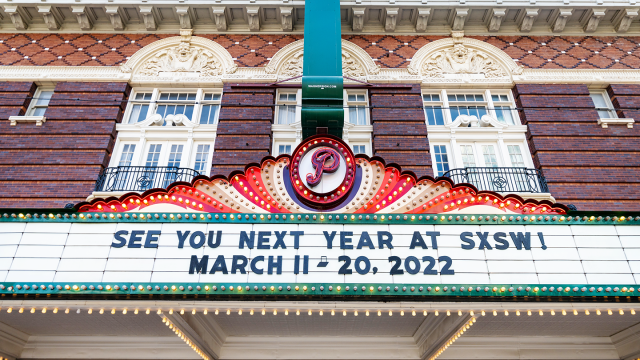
149,17
39,120
525,19
20,18
423,18
85,15
591,19
606,122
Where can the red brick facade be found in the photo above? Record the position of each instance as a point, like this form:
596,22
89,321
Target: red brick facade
584,164
389,51
399,128
57,163
244,127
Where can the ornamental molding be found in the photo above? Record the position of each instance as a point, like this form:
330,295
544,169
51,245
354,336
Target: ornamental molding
472,121
180,56
287,62
451,57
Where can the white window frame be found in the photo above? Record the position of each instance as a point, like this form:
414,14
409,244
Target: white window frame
32,105
194,152
488,103
610,109
276,150
155,102
348,104
433,157
297,103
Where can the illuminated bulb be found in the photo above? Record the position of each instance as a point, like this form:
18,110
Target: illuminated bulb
598,312
553,313
413,313
44,310
517,312
216,312
159,312
633,312
448,313
506,313
101,311
9,310
321,313
564,312
586,312
181,311
170,311
424,313
263,311
193,312
240,312
333,313
344,313
540,312
379,313
250,312
355,313
21,310
495,313
471,313
609,312
483,313
113,311
297,312
124,312
401,312
529,312
310,312
149,311
621,312
390,313
228,312
275,312
575,312
459,312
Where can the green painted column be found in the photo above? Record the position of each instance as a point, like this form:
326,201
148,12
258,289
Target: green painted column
322,107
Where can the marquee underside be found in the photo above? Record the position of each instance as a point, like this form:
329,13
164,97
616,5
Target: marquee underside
505,335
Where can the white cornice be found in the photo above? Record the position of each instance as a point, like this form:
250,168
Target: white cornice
12,341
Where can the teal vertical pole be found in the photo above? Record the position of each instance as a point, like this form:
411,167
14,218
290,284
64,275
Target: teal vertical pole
322,106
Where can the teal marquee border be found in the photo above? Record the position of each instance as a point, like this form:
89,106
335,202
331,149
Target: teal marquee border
320,289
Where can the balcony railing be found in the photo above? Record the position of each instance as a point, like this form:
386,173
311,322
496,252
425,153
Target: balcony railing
501,179
141,178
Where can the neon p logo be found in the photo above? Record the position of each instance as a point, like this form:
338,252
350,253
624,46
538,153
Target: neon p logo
324,161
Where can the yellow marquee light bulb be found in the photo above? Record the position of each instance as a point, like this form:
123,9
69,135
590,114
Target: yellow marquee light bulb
517,312
540,312
355,313
495,313
506,313
264,311
575,312
459,312
448,313
553,312
621,312
333,312
275,312
297,312
609,312
310,312
598,312
379,313
390,313
401,312
633,312
321,313
228,312
286,312
344,313
586,312
564,312
413,313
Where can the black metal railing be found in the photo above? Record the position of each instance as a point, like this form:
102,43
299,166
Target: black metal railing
141,178
501,179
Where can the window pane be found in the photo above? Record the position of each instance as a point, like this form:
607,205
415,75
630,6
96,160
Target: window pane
175,155
604,114
154,155
452,97
43,98
434,115
127,155
360,97
283,97
353,115
362,115
188,111
598,100
442,160
504,115
39,111
138,113
495,97
489,153
164,96
351,97
516,156
209,114
467,156
202,154
292,97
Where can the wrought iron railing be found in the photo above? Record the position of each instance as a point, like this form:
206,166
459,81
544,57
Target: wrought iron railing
141,178
501,179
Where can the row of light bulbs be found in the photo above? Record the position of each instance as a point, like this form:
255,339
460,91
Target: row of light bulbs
333,312
454,337
185,338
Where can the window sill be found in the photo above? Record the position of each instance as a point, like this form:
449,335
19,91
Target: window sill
39,120
606,122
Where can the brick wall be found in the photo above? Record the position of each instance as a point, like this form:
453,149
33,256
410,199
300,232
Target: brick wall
584,164
244,127
399,130
57,163
389,51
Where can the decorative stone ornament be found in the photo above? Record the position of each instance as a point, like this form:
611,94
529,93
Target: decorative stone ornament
454,57
287,62
184,56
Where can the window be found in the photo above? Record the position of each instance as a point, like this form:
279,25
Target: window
490,159
40,102
140,107
357,105
497,103
210,109
359,149
176,103
515,155
153,157
442,161
202,156
433,109
287,103
127,154
198,106
502,108
284,149
468,159
466,104
175,155
603,104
